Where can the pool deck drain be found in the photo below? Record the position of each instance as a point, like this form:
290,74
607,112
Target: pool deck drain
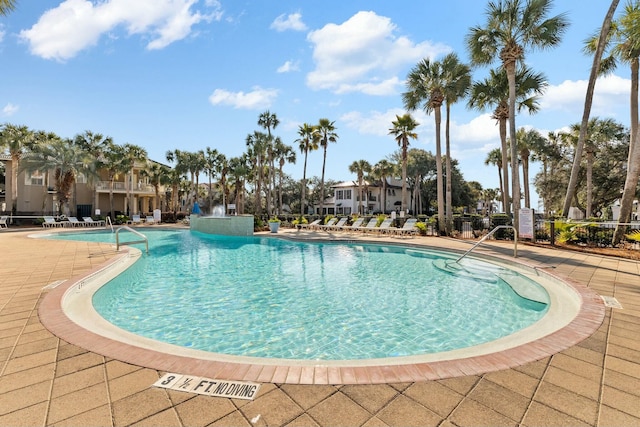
45,380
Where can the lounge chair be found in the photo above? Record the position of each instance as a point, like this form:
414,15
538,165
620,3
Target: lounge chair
338,225
385,227
91,223
135,220
328,225
370,225
50,221
73,222
409,227
3,222
149,220
353,227
310,225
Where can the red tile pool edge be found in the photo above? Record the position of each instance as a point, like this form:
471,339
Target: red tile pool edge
588,320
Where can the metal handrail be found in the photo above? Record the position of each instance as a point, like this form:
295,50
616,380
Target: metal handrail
108,222
515,241
144,238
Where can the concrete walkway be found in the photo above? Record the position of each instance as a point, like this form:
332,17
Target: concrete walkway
47,381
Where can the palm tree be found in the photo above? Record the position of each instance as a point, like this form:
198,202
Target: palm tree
494,157
114,161
7,6
458,82
18,140
360,167
268,121
307,142
513,27
211,160
66,159
283,154
382,170
527,141
239,170
133,153
426,85
588,100
257,150
157,174
493,92
326,133
403,130
623,45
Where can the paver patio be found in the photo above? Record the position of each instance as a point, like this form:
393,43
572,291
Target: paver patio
47,381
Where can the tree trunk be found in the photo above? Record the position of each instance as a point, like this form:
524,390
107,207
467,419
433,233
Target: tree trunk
589,183
504,184
448,201
515,176
439,174
324,161
595,68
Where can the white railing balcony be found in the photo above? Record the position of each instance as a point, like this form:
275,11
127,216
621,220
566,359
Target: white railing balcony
121,187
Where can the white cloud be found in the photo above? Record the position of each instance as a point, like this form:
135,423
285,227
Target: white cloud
292,21
373,123
10,109
2,32
256,99
364,54
610,92
288,67
75,25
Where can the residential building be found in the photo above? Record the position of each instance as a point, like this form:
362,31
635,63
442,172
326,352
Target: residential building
346,197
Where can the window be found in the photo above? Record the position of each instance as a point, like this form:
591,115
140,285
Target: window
81,179
34,178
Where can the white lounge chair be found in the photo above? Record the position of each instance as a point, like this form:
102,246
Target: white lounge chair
370,225
91,223
408,228
73,222
3,221
338,225
149,220
328,225
385,227
310,225
353,227
50,221
135,220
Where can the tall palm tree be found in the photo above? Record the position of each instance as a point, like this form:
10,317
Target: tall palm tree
114,161
268,121
283,154
257,144
623,45
326,134
383,170
426,87
239,170
403,130
588,101
134,154
512,28
360,167
308,141
211,159
157,175
7,6
494,157
458,83
493,92
527,141
18,140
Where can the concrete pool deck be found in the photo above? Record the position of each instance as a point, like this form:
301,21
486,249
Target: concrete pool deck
47,381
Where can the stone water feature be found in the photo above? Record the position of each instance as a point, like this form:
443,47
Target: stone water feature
220,223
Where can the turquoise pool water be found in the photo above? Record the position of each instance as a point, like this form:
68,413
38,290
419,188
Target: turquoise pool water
274,298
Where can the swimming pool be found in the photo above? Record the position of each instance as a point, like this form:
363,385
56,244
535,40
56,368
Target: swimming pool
273,298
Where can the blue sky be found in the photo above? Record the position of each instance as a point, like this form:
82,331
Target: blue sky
190,74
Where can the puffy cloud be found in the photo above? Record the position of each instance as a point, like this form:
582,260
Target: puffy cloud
10,109
75,25
364,54
292,21
258,98
610,92
288,67
374,123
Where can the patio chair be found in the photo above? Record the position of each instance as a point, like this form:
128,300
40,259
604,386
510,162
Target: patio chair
408,228
3,221
370,225
50,221
353,227
328,225
310,225
385,227
149,220
73,222
91,223
135,220
338,225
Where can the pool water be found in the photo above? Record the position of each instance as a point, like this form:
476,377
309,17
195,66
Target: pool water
269,297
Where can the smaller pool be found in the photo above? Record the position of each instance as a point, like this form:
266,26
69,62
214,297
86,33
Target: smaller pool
274,298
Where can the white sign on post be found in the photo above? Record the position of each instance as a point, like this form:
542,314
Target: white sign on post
526,231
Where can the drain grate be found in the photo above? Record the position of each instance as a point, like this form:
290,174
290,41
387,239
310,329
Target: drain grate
611,302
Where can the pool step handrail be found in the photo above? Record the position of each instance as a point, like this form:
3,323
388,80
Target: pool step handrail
107,223
489,234
132,242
